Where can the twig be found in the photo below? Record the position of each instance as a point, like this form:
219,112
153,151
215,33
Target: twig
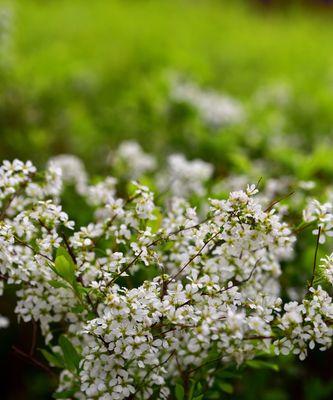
69,248
21,242
271,205
194,256
148,372
315,258
3,277
155,242
32,360
302,227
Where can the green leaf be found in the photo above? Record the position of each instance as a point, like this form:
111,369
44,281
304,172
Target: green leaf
91,315
199,387
260,364
226,387
57,284
192,387
80,289
61,251
53,359
64,266
179,392
200,397
78,309
155,224
71,356
229,375
64,394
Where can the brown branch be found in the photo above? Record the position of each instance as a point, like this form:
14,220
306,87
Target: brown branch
32,360
10,199
133,396
194,256
271,205
302,228
21,242
69,248
315,258
155,242
3,277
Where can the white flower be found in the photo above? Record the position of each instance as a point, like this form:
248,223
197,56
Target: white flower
4,322
131,157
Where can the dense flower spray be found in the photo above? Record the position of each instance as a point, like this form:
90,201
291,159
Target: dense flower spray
154,292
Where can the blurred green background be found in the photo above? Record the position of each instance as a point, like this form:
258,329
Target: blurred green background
81,76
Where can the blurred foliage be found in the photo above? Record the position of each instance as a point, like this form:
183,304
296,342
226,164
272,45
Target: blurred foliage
79,77
82,76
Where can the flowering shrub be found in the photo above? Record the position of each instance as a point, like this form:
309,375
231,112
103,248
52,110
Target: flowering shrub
156,297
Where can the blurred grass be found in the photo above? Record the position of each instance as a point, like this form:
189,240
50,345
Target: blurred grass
220,42
85,75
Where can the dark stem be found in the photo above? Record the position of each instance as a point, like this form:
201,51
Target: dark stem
271,205
315,258
32,360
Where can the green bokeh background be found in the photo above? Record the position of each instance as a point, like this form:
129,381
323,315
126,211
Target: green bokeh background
81,76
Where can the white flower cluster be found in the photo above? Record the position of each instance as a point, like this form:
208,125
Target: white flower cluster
215,109
327,268
185,177
304,325
72,171
322,215
132,160
152,287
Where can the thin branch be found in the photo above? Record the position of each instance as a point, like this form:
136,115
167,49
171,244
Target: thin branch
161,238
21,242
219,358
69,248
315,258
271,205
32,360
258,183
10,199
194,257
302,227
133,396
3,277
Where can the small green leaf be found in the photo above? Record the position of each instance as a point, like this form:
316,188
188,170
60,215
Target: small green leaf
54,359
226,387
199,387
192,387
65,269
78,309
71,356
81,290
65,394
179,392
260,364
90,315
63,252
155,223
57,284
